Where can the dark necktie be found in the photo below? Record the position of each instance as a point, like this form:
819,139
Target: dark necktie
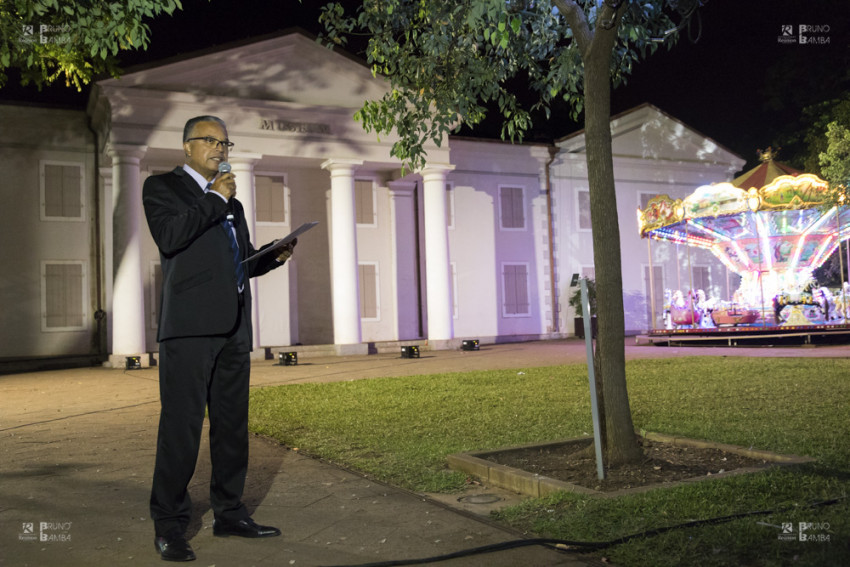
227,225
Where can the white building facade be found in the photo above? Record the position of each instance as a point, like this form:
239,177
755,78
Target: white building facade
480,244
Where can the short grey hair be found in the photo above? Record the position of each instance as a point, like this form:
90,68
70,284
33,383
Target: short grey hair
192,122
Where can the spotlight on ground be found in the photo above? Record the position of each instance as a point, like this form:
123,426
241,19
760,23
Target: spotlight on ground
469,344
410,351
288,358
134,362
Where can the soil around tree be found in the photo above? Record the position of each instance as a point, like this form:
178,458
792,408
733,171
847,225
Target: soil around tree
662,463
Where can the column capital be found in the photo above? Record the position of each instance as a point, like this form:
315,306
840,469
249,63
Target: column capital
244,158
436,171
341,164
126,151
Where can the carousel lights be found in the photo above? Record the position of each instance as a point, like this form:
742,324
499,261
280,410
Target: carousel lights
712,232
724,258
820,255
679,238
741,254
753,201
668,234
820,222
796,259
800,220
765,242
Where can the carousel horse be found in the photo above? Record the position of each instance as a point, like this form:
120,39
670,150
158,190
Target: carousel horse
684,312
668,301
842,298
826,302
705,307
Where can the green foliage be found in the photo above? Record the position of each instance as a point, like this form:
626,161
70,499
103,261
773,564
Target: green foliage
808,141
447,62
575,298
835,160
48,40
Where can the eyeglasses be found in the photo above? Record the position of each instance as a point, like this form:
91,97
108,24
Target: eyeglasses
214,142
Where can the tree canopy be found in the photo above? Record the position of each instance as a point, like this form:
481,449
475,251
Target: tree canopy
49,40
835,159
448,62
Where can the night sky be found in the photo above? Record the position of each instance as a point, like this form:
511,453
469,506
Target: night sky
742,83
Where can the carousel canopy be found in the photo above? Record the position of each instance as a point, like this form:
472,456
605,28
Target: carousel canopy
764,172
790,224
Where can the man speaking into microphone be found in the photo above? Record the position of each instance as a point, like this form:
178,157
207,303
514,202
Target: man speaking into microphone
205,336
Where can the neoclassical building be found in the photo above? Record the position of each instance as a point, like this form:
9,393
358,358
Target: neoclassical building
481,243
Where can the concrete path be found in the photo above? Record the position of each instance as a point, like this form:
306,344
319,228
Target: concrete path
77,452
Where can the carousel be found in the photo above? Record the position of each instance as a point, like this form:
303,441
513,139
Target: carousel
771,227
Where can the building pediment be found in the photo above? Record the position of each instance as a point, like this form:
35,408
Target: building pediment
286,95
290,68
648,133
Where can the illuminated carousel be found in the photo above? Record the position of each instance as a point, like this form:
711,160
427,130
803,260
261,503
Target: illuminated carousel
772,226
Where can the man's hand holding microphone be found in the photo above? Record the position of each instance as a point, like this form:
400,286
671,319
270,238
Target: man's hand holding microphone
225,182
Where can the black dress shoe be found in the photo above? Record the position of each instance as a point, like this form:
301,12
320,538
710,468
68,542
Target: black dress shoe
243,528
174,548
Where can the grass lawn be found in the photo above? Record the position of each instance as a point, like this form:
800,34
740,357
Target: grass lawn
399,430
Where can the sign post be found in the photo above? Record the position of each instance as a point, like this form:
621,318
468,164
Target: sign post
591,373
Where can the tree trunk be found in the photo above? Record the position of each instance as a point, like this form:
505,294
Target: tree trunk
621,445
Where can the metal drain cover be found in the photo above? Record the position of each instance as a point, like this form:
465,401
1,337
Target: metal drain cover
480,499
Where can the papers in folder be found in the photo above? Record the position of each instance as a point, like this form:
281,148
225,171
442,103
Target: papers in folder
276,247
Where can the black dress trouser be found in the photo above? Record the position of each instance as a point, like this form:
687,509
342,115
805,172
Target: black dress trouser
196,373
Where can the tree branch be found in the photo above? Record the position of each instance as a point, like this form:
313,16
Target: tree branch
578,23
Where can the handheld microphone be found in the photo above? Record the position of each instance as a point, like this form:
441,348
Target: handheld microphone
224,167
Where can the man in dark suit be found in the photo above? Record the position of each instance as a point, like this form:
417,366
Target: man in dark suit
205,337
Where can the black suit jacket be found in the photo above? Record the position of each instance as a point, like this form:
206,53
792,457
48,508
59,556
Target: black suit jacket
199,292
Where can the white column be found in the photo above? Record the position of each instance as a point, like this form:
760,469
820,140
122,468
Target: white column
128,290
243,168
344,279
437,269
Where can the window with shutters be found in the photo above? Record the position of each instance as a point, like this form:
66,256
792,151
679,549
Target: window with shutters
271,202
62,191
364,195
63,296
702,279
370,308
515,290
512,208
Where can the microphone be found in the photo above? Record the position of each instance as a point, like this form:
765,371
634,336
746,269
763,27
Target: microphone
224,167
